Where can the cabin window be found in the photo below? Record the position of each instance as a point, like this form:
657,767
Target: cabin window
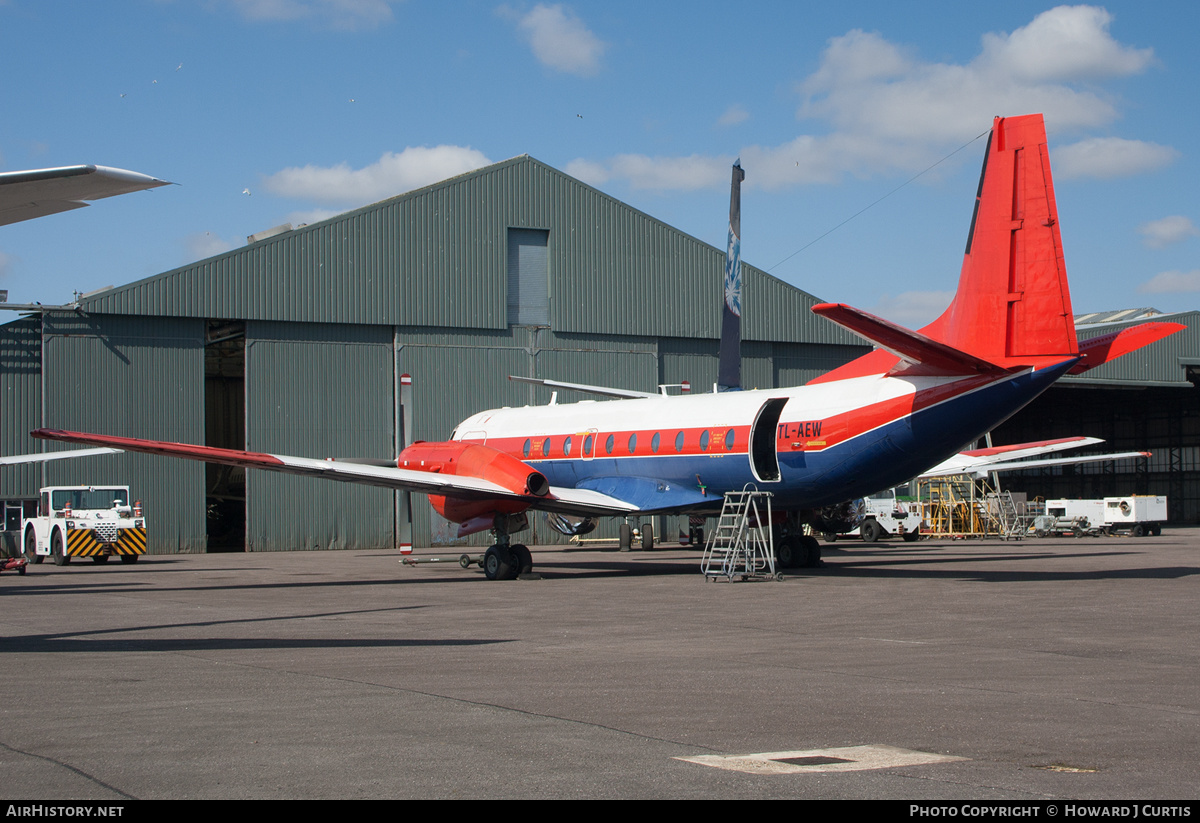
632,443
679,442
526,449
729,440
546,447
608,445
567,447
654,442
704,441
587,446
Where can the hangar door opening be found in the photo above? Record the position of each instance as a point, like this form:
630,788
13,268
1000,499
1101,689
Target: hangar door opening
225,428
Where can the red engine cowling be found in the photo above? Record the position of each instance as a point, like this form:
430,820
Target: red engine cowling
468,459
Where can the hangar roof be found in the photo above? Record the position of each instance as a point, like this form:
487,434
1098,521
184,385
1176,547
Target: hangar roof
437,257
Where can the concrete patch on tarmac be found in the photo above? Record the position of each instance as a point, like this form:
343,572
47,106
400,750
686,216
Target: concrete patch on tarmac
841,759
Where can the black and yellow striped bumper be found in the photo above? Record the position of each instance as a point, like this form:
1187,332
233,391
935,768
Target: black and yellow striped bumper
86,543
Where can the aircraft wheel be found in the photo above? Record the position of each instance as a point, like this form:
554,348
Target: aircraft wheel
786,551
31,554
130,558
100,558
809,556
61,558
870,531
522,559
912,537
647,537
498,564
625,541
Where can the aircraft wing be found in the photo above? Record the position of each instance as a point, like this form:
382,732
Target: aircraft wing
25,195
981,462
368,473
16,459
906,344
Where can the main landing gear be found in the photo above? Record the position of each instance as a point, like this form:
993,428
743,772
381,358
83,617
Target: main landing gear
643,535
505,561
798,551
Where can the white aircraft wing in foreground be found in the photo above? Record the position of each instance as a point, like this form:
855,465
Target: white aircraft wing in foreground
25,195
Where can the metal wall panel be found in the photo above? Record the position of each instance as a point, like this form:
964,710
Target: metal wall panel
20,403
136,377
318,391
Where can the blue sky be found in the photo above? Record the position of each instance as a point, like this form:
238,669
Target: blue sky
273,111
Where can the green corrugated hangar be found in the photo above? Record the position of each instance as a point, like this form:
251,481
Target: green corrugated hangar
295,344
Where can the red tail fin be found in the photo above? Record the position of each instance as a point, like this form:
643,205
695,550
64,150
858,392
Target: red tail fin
1013,306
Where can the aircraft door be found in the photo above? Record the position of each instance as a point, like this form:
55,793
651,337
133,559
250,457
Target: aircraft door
764,462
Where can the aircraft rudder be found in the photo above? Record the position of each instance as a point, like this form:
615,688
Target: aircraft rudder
1013,303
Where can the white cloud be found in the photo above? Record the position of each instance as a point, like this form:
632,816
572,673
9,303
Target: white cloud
1172,281
390,175
912,309
594,174
1158,234
886,111
733,115
1063,44
671,173
205,244
1107,157
338,14
560,40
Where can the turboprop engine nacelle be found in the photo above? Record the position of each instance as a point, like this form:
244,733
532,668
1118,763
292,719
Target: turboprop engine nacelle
466,459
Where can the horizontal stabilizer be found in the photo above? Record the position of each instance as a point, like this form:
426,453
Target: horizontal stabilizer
908,345
1099,350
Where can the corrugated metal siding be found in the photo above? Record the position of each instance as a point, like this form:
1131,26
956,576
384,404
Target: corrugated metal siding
137,377
437,256
797,363
20,403
318,391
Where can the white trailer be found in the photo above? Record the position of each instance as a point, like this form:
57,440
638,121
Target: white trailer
85,521
1141,514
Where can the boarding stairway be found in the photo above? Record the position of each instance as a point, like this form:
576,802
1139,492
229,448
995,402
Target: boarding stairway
741,546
